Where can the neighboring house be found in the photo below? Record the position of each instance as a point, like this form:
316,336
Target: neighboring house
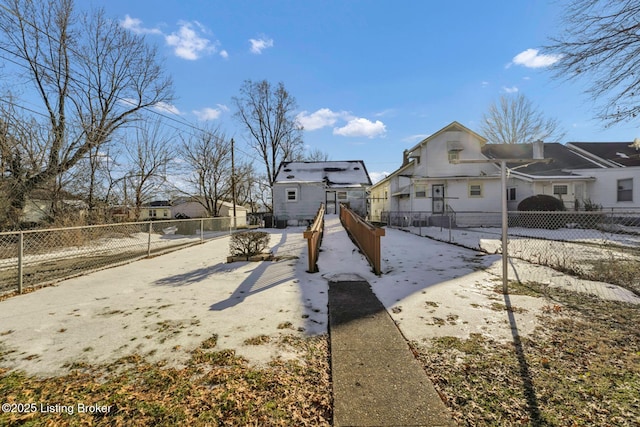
617,182
38,210
430,181
435,180
158,209
192,208
300,187
560,177
122,213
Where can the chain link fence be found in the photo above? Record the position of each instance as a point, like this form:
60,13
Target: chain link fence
596,245
38,257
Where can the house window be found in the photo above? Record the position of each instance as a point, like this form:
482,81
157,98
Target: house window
475,190
454,156
166,213
342,195
625,190
511,194
560,190
385,194
153,213
420,191
292,194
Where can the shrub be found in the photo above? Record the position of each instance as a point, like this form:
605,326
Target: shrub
249,243
541,202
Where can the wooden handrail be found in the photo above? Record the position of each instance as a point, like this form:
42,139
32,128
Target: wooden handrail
366,236
314,238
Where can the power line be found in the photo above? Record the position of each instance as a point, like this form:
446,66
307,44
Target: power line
87,82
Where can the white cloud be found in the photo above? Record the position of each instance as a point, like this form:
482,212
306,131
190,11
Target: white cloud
135,25
511,89
188,43
484,84
361,127
258,45
322,118
378,176
207,113
531,58
354,127
164,107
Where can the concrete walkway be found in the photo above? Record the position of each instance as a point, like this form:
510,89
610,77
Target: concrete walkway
376,379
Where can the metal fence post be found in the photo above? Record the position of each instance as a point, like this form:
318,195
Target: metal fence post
505,219
149,239
201,230
20,260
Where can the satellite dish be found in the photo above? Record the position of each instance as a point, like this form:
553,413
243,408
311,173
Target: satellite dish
636,144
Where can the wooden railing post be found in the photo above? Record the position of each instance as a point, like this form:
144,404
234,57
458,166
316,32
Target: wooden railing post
314,237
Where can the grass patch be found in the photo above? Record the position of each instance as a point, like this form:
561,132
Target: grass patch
580,367
217,389
258,340
285,325
620,272
210,342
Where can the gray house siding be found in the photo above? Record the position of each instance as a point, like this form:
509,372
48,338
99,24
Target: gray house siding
304,207
300,188
355,198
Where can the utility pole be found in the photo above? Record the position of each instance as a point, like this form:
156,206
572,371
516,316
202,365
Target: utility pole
233,182
503,200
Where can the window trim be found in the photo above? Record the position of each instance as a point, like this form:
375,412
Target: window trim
629,190
515,194
295,194
341,193
566,186
453,155
422,192
480,187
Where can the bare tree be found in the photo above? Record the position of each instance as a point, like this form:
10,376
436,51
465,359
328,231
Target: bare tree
90,74
515,120
22,150
148,157
268,114
599,42
207,156
315,155
247,185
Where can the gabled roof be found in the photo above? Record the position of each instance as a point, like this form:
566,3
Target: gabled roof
563,159
200,199
158,204
344,173
620,154
453,126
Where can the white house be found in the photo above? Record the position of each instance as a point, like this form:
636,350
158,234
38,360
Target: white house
189,207
435,180
432,182
616,182
157,209
300,188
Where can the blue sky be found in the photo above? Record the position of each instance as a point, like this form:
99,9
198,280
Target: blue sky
371,78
